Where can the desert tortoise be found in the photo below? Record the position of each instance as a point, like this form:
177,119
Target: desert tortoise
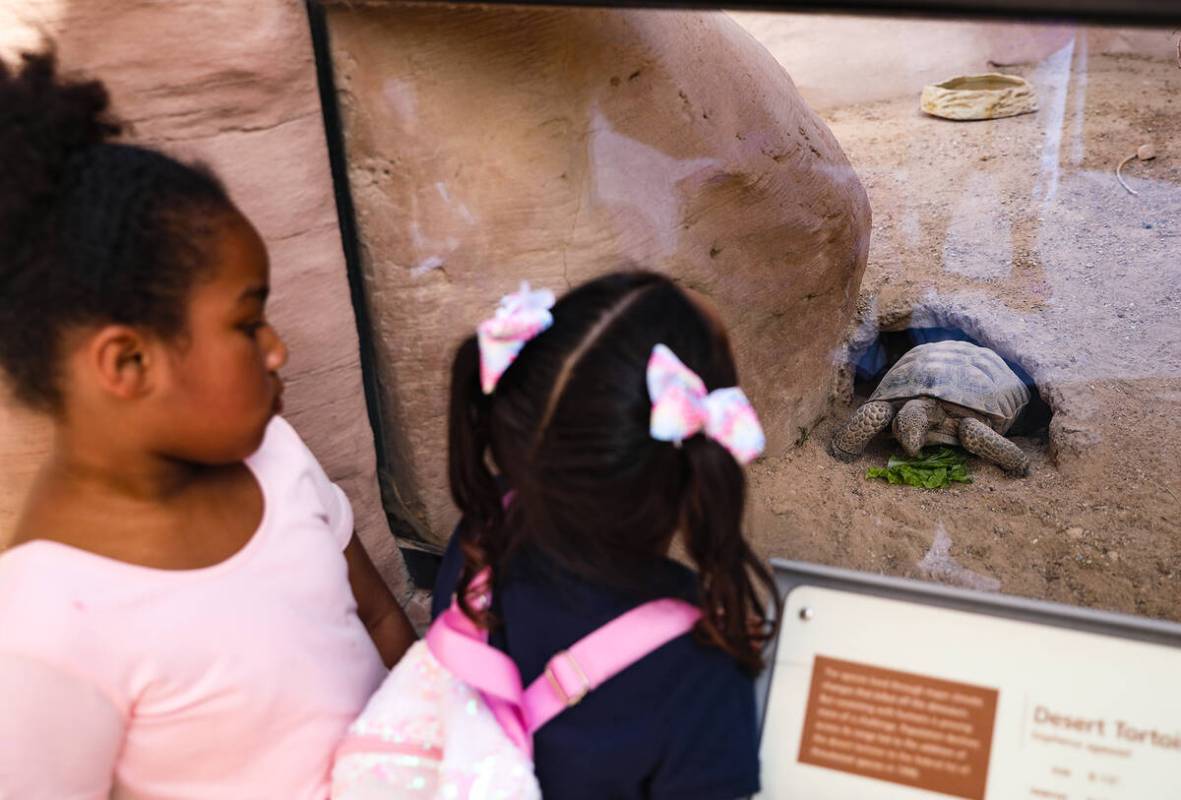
943,393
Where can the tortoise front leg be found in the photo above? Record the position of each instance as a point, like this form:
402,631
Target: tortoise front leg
866,423
978,438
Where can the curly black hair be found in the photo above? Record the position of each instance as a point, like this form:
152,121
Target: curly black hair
91,230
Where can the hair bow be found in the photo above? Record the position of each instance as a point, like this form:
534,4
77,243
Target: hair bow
681,408
520,317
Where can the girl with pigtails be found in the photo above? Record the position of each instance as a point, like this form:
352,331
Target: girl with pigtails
588,440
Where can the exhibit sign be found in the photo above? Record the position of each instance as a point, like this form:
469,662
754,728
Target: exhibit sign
892,689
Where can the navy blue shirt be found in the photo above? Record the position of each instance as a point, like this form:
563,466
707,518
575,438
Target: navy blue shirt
679,723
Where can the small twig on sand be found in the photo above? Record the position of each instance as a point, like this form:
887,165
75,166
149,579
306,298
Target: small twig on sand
1120,178
1145,152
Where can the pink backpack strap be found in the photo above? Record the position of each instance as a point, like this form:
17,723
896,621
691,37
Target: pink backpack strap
462,647
602,654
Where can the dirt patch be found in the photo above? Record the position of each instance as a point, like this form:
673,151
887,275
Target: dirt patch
1016,232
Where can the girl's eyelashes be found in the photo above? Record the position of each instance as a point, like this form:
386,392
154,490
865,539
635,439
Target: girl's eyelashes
251,329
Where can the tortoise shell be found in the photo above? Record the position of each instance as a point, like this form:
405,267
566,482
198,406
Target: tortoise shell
960,373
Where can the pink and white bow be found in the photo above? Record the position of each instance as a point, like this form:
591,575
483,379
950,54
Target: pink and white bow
520,317
681,408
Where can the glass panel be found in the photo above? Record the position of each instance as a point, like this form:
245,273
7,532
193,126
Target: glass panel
783,165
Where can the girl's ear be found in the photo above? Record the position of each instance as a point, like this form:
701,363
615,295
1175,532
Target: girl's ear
119,356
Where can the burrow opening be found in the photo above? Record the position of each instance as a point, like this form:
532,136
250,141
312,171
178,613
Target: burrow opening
871,363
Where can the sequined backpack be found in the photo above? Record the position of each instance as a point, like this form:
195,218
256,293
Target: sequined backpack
453,720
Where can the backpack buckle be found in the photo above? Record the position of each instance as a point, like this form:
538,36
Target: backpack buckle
570,699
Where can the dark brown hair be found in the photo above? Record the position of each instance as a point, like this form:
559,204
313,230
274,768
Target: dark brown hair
567,427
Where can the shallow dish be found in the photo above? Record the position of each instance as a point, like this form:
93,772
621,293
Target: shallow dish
988,96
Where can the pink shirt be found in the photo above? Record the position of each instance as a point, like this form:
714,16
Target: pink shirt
233,681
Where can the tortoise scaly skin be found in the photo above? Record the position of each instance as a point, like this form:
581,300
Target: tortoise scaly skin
943,393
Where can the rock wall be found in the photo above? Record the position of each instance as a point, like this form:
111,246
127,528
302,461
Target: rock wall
232,84
487,146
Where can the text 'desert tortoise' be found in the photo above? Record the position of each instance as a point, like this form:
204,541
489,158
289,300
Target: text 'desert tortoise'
943,393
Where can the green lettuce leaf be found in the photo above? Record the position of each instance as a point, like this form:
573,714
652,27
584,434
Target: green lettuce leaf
933,469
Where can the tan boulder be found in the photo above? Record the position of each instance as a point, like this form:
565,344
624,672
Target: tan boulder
232,84
488,146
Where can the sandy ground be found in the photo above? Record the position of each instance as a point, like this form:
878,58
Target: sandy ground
1016,232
